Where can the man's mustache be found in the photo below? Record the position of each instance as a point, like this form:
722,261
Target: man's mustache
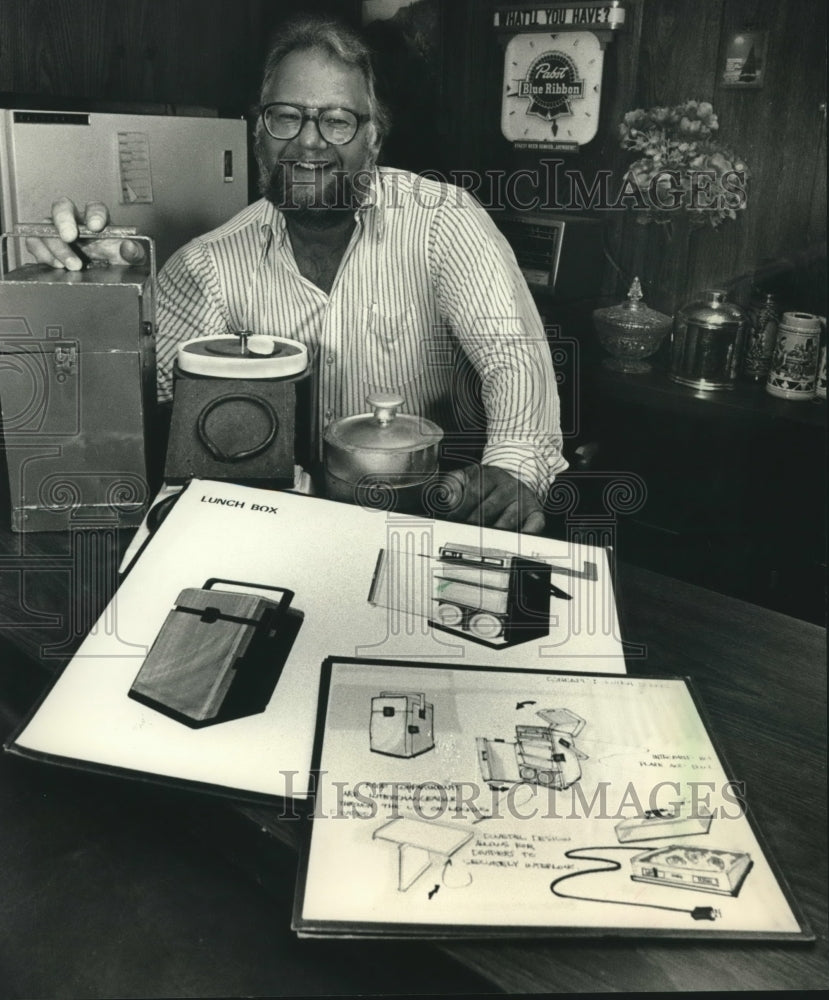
293,184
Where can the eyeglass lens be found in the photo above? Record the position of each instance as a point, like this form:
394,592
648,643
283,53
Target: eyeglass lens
336,125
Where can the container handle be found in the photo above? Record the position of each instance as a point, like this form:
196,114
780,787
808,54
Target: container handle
384,406
45,230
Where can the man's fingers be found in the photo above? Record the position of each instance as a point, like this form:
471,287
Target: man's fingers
54,253
58,253
509,518
450,495
113,251
490,496
39,249
534,524
65,219
494,504
96,216
132,252
521,516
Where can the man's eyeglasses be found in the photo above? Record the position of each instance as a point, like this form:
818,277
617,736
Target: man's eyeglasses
336,125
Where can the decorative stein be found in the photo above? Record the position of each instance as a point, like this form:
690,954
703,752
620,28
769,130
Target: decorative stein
761,336
820,390
707,341
793,372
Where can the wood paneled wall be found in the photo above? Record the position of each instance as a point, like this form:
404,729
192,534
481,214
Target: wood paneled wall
779,129
670,51
201,53
187,52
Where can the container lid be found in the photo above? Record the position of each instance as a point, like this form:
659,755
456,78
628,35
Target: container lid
384,429
802,322
633,314
713,310
243,356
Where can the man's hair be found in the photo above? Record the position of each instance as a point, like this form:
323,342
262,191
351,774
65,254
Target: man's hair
336,38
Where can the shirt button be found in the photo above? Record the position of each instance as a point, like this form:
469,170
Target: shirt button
329,414
330,359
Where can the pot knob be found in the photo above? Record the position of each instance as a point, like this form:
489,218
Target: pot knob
384,406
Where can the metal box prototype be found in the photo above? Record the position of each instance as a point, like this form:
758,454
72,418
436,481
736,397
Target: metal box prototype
77,374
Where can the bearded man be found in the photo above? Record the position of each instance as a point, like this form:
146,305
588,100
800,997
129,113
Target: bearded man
392,279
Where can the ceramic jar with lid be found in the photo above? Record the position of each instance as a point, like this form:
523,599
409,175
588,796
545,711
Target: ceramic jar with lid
382,458
707,341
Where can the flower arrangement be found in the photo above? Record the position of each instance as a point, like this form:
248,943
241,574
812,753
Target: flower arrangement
682,166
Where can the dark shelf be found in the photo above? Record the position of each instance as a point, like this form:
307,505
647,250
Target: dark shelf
655,389
733,484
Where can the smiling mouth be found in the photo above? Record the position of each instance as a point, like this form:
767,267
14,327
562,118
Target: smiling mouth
309,164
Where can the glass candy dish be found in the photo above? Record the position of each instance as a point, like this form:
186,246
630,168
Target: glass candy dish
630,332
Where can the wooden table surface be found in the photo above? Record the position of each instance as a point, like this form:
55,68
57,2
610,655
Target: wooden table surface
761,677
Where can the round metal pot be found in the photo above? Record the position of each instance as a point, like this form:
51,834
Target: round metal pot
383,458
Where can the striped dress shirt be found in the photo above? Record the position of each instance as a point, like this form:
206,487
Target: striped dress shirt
427,288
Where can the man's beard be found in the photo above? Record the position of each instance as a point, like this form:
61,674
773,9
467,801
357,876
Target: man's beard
308,195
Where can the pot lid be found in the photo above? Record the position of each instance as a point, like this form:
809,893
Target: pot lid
246,356
384,429
713,310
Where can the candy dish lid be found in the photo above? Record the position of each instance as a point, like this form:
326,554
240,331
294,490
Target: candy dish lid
633,314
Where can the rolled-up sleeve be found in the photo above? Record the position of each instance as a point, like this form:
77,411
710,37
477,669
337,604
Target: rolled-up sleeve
485,299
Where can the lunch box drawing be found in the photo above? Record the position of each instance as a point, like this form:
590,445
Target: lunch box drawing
219,653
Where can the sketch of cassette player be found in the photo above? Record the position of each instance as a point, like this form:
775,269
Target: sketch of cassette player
702,869
219,654
539,755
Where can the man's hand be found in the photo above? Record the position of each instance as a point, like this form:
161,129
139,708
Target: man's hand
487,495
59,252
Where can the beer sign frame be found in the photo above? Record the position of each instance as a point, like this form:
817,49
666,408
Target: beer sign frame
553,68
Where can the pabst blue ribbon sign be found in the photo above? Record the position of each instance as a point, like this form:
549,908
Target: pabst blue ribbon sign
551,84
552,89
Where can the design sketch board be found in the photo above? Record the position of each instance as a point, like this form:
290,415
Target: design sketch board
620,819
324,555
